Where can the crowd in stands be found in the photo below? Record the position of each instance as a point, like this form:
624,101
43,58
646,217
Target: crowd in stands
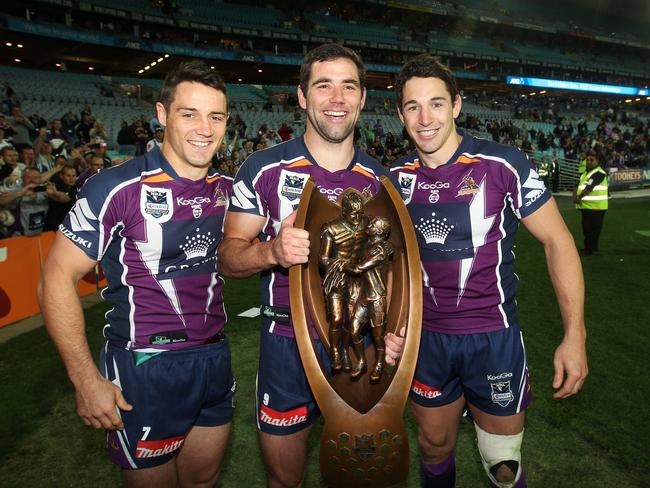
43,163
617,134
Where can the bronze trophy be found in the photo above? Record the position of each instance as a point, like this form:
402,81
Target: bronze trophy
364,276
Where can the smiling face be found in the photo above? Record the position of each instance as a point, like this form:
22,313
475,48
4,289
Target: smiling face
333,100
194,127
428,114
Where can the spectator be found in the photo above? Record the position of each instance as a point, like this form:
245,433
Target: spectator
28,157
285,132
97,133
3,142
95,165
126,139
66,183
45,159
13,182
69,124
83,128
22,128
56,131
158,136
29,204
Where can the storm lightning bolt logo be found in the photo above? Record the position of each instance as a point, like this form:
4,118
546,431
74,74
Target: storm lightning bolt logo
481,224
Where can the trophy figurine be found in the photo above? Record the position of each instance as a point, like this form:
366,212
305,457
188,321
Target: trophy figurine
363,280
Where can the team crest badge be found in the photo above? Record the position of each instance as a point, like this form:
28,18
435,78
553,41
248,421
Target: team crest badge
156,204
292,185
469,187
501,393
406,186
367,192
220,199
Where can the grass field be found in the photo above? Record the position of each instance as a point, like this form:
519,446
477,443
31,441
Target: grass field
596,439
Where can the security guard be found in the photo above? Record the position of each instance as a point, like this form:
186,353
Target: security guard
591,199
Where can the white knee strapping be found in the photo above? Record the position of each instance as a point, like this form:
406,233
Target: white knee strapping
495,449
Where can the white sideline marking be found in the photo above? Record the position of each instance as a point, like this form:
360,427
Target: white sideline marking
645,233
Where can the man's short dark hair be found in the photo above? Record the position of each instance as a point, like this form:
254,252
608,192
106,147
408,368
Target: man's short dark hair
4,150
195,71
424,66
329,52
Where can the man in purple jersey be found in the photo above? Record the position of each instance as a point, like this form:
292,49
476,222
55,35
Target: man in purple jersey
466,197
266,192
164,390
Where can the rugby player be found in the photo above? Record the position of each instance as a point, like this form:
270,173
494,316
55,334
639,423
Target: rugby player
164,390
266,193
466,197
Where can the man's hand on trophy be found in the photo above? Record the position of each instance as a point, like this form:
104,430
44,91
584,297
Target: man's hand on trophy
291,245
394,346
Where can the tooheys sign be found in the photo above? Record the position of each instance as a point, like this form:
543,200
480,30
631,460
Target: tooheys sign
626,177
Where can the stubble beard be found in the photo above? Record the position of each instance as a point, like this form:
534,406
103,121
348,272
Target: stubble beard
326,134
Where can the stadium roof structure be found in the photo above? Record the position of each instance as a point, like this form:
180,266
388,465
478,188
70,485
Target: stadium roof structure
264,45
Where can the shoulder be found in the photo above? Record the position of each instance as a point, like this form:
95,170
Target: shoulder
407,163
283,152
493,151
368,163
287,154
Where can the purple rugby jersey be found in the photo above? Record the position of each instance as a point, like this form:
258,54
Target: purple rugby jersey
269,184
156,235
466,214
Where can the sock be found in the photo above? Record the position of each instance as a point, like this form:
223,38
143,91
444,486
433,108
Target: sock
441,475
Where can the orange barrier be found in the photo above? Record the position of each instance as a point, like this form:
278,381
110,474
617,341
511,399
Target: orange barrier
21,261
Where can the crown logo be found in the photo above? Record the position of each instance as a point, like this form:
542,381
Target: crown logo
434,230
197,246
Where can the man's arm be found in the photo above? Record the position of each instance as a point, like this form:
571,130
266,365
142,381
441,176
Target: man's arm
596,179
56,195
241,256
97,398
565,270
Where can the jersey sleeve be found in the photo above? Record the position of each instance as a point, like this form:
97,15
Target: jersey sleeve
527,190
93,218
247,196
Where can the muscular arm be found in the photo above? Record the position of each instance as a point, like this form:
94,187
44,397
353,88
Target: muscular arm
565,270
241,256
64,320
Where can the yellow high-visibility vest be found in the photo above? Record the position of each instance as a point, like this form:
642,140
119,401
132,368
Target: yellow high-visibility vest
598,198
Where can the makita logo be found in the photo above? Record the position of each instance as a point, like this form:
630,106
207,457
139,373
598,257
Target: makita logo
193,201
75,238
283,419
436,185
149,449
425,391
501,376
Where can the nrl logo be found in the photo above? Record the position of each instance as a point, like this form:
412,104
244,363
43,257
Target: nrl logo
501,393
156,203
406,185
292,186
469,187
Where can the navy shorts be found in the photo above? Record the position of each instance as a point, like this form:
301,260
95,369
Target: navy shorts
490,369
284,401
170,393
